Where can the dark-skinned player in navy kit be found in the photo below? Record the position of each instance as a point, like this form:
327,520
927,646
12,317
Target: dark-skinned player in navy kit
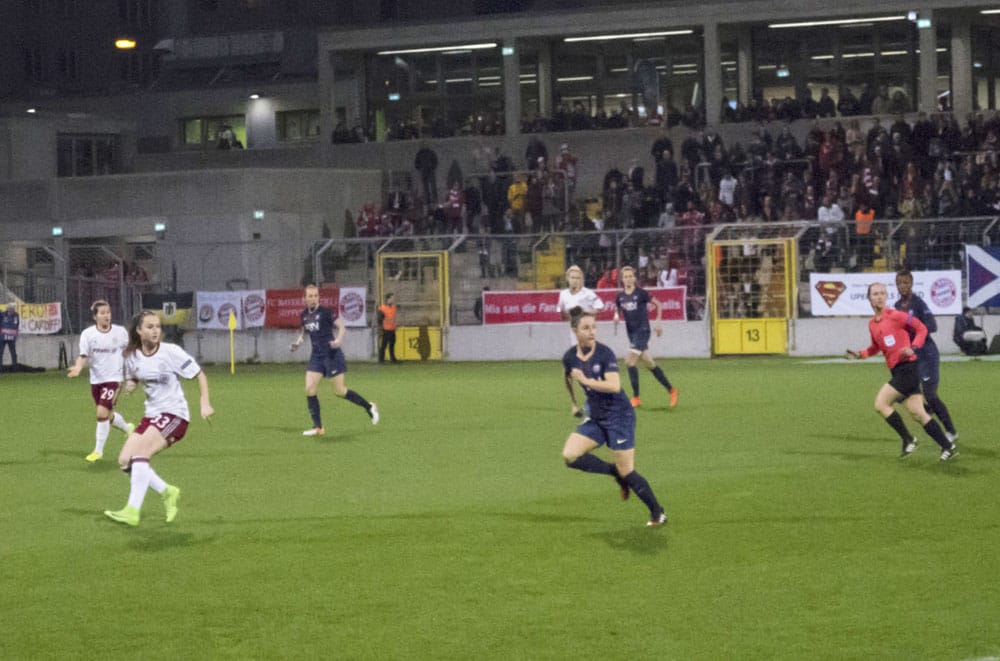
326,333
928,357
611,420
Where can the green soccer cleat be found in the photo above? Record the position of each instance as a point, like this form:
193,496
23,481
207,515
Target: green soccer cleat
94,456
170,496
129,429
129,515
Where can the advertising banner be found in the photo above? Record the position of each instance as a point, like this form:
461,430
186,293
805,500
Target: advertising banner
982,266
524,307
214,308
353,308
846,294
284,306
40,318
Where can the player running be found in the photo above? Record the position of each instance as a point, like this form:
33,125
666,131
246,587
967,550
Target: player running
157,365
103,346
326,360
611,421
633,304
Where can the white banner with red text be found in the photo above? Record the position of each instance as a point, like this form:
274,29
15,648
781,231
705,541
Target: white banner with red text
532,307
276,308
214,308
846,294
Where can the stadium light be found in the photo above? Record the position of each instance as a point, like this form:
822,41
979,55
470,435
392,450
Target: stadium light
841,21
438,49
124,43
634,35
57,231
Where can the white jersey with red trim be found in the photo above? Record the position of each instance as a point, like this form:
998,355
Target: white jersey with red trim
104,351
159,374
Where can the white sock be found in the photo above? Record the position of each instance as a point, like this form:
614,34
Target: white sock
140,482
156,482
119,422
103,428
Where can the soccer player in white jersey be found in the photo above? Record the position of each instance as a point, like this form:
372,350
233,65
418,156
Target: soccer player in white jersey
102,345
158,365
576,295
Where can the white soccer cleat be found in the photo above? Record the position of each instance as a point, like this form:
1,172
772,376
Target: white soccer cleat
373,412
951,437
317,431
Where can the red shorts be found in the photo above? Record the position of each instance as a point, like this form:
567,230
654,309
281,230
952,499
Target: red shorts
170,426
104,393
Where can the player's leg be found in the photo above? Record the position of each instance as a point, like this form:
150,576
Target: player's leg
100,433
392,346
625,464
134,459
342,391
929,378
576,453
651,365
312,402
884,400
915,405
631,358
118,421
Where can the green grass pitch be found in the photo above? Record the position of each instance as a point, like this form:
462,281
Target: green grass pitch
452,530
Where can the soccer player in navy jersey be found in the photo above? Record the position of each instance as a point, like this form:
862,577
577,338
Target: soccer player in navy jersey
633,304
890,332
928,358
326,332
611,419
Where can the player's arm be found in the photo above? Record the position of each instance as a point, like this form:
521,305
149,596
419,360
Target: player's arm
77,365
927,317
870,350
338,337
611,382
919,330
206,406
658,328
298,341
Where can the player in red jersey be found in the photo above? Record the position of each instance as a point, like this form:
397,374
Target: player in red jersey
890,332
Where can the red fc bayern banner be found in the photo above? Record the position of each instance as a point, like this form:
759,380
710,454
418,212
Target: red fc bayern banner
531,307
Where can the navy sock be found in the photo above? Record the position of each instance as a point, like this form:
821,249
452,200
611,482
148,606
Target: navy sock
355,398
661,377
633,377
640,487
313,404
591,464
941,411
896,422
933,430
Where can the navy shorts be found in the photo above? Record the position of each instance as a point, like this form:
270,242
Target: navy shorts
329,365
639,340
906,378
617,433
928,364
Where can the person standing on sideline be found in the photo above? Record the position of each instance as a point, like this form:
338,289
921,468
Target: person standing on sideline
890,332
103,346
928,358
576,295
158,365
326,360
611,421
633,304
386,316
10,325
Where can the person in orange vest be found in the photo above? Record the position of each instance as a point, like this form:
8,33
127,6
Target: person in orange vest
387,324
863,219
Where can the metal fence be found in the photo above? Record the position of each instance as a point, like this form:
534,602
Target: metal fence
77,275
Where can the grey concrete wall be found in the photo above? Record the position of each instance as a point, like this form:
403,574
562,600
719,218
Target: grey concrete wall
813,338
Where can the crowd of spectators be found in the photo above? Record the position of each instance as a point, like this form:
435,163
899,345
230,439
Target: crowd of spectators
805,106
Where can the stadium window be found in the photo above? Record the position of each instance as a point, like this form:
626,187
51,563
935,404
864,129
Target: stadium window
298,125
204,132
86,155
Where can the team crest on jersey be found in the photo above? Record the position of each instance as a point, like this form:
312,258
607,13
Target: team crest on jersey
890,341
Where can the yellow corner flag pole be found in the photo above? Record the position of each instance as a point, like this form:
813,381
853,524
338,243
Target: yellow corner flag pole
232,342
